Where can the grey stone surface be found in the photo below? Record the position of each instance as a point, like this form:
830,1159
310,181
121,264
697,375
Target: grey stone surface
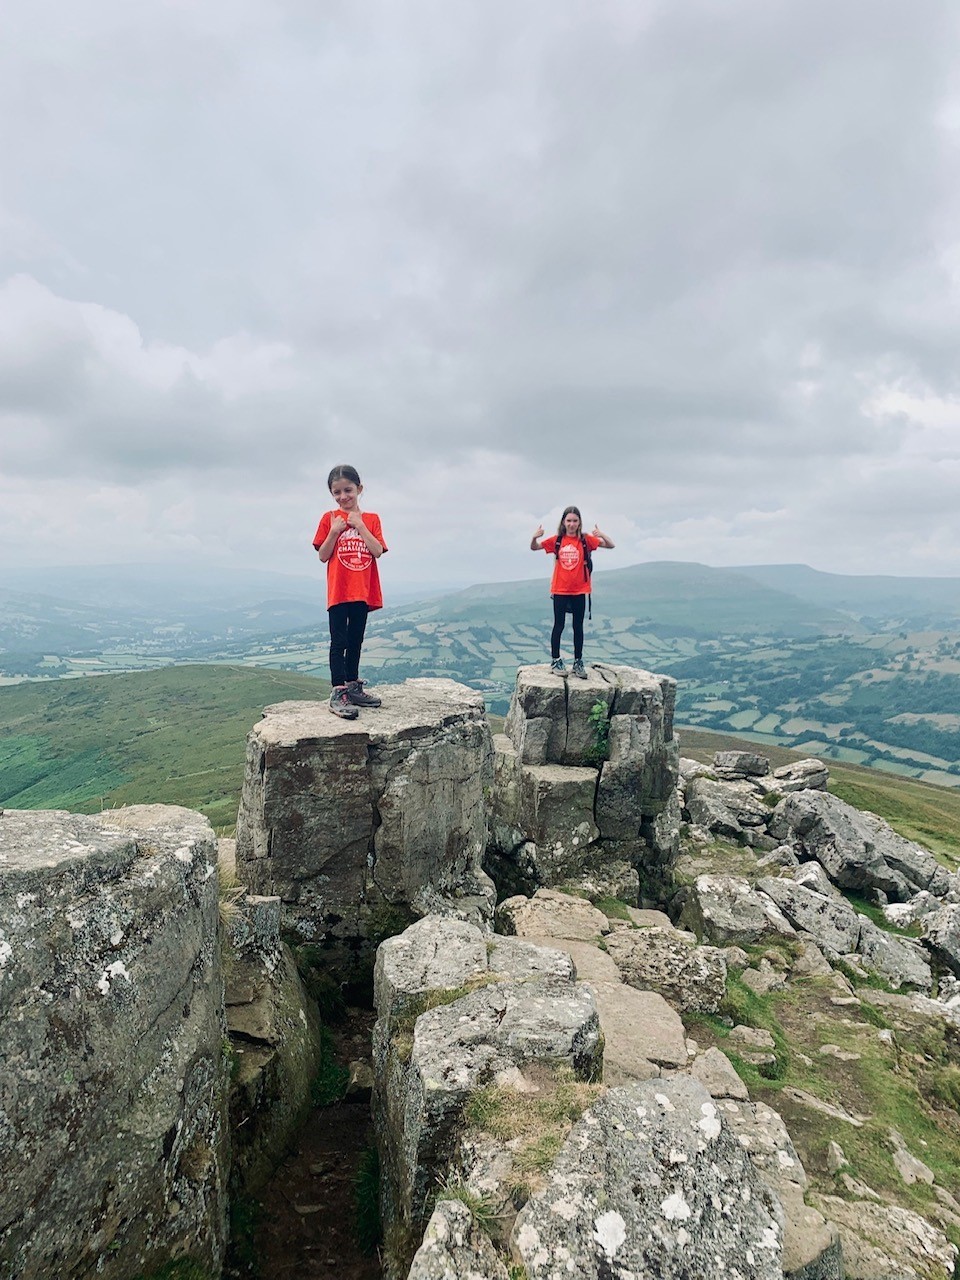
858,850
639,1028
690,977
274,1042
716,1073
727,909
885,1241
740,764
652,1183
730,809
941,932
805,775
551,914
453,1050
901,961
113,1135
346,820
829,920
455,1247
591,964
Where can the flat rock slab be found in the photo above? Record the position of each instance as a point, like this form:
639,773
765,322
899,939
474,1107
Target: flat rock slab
550,914
641,1033
591,964
407,707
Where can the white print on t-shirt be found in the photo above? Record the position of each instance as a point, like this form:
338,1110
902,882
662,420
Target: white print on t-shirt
569,555
352,552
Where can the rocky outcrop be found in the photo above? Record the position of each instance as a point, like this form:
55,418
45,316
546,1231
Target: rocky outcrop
113,1137
455,1015
585,772
857,850
360,825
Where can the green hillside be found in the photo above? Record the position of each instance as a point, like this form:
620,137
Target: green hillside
171,736
691,599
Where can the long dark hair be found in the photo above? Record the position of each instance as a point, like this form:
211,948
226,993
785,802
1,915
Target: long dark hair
344,472
562,533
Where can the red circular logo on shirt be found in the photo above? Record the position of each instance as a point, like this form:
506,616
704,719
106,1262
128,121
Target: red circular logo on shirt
353,553
569,555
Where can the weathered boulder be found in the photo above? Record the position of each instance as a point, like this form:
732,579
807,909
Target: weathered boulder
652,1183
727,909
585,772
113,1079
941,931
901,961
811,1243
805,775
731,765
726,808
274,1040
717,1074
691,977
351,822
829,921
858,850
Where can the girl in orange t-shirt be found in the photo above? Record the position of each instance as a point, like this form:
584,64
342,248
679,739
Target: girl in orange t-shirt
570,585
349,544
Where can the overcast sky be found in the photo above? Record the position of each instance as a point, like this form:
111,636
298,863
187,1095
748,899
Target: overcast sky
693,266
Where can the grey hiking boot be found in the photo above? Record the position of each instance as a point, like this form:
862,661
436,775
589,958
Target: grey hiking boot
557,667
358,697
578,668
341,705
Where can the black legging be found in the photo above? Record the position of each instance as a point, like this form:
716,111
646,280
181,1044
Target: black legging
562,605
347,625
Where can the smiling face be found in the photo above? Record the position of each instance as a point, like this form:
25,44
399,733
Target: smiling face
346,494
571,524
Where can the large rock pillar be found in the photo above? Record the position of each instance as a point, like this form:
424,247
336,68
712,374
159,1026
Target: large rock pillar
585,779
113,1137
361,825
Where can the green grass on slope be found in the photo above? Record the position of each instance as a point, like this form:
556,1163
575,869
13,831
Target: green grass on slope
919,811
171,736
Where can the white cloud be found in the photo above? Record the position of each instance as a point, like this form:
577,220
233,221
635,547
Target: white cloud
694,268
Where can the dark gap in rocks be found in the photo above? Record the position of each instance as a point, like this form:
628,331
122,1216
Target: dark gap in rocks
303,1223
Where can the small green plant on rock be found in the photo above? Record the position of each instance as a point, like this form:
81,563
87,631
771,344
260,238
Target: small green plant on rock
600,724
482,1207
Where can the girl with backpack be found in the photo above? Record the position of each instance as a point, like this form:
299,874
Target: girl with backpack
349,544
572,550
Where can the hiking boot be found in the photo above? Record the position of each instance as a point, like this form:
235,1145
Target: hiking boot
340,704
356,695
557,667
578,668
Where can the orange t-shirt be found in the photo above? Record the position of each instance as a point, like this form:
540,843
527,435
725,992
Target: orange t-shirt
569,578
352,572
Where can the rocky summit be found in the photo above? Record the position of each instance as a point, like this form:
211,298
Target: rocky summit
637,1015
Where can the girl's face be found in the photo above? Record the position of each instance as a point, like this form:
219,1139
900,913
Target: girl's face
571,524
346,494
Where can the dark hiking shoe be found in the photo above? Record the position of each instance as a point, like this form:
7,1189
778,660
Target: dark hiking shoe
557,667
578,668
341,705
358,697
